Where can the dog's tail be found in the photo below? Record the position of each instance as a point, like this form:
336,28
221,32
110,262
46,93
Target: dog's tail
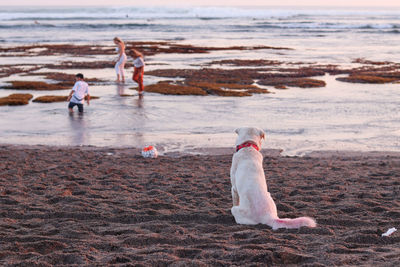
293,223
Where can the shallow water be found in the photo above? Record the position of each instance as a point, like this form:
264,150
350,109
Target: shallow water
341,116
338,117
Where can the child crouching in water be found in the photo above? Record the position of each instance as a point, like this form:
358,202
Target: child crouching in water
78,93
138,69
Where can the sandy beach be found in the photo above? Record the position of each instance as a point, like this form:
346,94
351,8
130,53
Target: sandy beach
75,190
87,206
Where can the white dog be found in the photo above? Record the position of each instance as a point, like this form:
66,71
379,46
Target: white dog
252,203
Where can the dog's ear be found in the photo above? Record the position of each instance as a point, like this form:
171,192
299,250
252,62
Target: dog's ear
262,134
237,130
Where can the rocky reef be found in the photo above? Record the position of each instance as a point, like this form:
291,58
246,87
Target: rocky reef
226,77
55,98
15,100
36,86
203,88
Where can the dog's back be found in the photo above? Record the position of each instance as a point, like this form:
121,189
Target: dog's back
252,203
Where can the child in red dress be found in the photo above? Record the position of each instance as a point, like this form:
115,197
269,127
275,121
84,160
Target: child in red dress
138,69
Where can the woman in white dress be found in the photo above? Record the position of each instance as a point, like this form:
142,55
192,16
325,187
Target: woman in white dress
119,66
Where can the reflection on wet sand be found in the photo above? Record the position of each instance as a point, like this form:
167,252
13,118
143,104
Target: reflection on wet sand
121,89
139,101
79,129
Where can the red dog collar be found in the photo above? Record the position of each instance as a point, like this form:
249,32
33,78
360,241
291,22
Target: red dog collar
246,144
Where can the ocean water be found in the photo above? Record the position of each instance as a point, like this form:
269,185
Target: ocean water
340,116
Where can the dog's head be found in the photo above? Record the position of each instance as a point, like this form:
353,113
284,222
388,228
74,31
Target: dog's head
250,134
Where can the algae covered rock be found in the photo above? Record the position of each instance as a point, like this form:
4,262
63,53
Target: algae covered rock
34,85
204,88
50,98
228,89
294,82
55,98
15,99
174,89
367,79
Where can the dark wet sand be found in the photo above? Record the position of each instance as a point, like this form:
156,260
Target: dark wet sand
88,206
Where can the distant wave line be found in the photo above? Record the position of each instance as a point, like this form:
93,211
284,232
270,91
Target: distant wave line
87,13
231,27
332,26
77,26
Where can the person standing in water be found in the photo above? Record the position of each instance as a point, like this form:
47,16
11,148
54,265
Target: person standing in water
120,64
78,93
138,69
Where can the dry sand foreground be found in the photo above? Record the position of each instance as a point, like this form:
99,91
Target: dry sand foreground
86,206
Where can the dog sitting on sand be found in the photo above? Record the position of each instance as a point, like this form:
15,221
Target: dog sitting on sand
252,203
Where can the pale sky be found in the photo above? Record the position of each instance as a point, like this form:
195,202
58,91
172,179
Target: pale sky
338,3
